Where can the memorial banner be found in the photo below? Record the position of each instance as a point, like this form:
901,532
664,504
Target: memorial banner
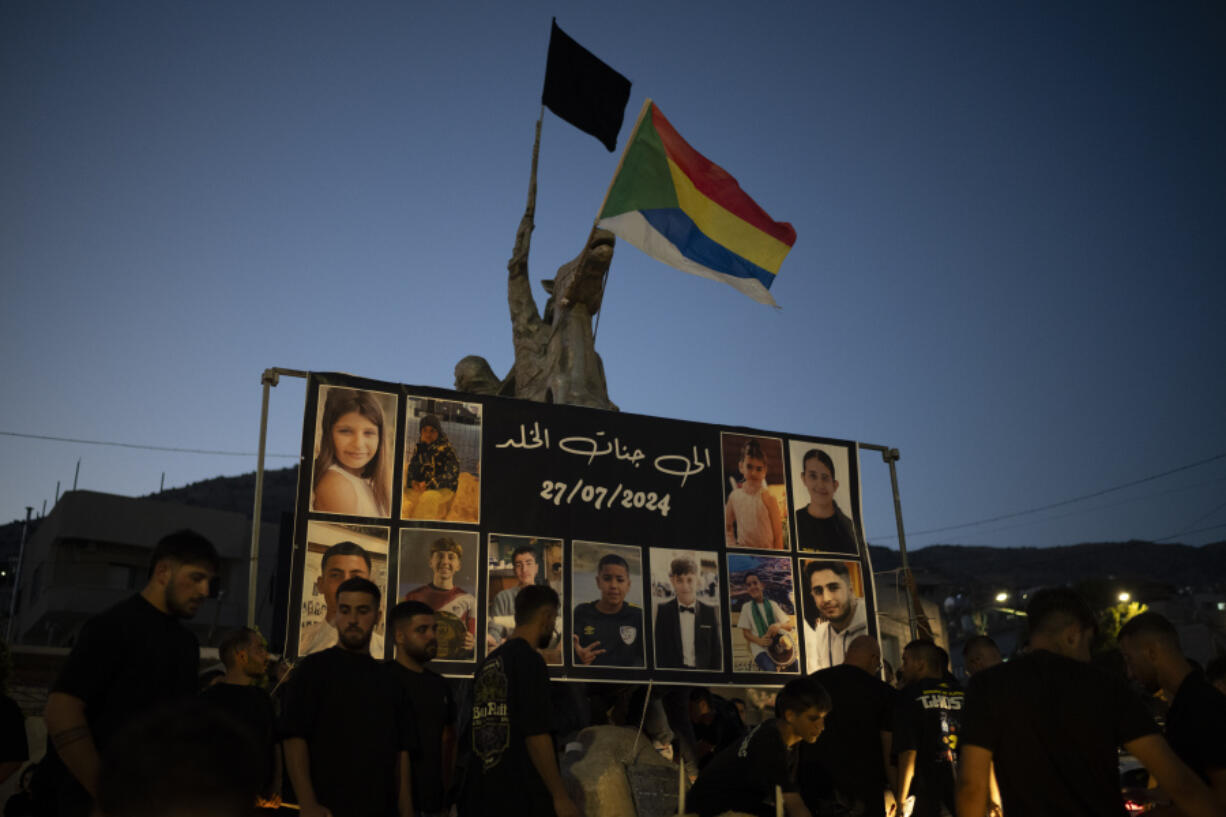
682,552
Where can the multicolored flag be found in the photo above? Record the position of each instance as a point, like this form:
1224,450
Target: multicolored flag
679,207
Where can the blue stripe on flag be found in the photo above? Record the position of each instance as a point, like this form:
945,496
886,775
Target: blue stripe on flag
694,244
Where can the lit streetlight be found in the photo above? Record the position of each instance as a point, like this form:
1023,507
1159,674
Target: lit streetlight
1002,597
1124,596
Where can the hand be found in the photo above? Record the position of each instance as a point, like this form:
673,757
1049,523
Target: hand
994,809
469,641
563,806
771,630
491,643
587,654
891,805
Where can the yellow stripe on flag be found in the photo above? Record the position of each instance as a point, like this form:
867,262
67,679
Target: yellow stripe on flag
723,227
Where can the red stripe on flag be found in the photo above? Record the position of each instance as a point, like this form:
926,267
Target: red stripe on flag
716,183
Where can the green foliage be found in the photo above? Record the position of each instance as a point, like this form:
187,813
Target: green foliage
1112,619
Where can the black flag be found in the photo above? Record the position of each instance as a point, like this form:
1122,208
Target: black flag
583,90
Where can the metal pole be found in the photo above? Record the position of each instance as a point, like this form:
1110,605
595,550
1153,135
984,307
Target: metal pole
268,379
891,457
21,552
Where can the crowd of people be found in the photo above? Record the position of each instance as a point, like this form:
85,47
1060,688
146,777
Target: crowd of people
130,734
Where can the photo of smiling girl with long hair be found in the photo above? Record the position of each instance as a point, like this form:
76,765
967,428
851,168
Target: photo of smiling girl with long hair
353,466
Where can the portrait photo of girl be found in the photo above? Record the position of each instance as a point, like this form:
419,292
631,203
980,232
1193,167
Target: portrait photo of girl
755,508
353,463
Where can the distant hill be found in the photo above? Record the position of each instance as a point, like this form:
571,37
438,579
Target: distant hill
1135,561
936,565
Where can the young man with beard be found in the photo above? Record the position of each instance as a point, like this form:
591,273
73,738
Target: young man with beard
1196,721
1051,723
344,560
843,617
347,724
126,660
514,768
245,656
434,708
745,776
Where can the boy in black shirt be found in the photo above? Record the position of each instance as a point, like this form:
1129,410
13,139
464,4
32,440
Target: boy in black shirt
609,632
125,661
745,776
434,709
1196,721
1051,722
245,656
926,723
514,766
347,723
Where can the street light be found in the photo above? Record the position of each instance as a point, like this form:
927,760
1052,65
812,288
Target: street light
1124,596
1002,597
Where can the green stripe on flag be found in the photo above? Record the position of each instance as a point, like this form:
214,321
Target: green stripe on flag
644,182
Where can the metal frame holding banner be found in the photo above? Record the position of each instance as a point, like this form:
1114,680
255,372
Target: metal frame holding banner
682,552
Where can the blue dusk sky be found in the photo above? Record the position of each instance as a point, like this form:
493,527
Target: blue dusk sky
1009,264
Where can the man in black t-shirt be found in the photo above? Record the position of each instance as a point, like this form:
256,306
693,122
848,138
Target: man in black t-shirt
609,631
850,763
1196,721
514,768
1051,723
926,722
347,724
434,708
745,776
244,653
125,661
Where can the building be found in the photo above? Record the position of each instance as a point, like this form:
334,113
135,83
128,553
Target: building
93,551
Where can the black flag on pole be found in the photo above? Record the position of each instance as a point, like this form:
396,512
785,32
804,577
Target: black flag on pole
583,90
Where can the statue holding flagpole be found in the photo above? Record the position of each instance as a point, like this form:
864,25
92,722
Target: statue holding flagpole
555,353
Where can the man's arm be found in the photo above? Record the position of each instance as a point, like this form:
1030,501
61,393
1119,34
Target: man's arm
298,764
974,768
404,785
69,732
729,521
906,771
1187,790
891,777
540,750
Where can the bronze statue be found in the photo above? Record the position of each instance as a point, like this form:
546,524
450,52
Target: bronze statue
555,356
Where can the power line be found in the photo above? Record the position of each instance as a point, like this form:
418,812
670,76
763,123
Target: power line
143,447
1064,502
1192,525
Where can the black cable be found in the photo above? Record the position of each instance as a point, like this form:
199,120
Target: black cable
144,447
1197,464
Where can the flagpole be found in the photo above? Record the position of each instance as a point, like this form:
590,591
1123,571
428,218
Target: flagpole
625,149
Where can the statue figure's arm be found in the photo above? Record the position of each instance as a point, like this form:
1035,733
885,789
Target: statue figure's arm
525,319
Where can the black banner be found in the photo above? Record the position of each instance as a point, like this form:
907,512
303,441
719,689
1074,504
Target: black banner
683,552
